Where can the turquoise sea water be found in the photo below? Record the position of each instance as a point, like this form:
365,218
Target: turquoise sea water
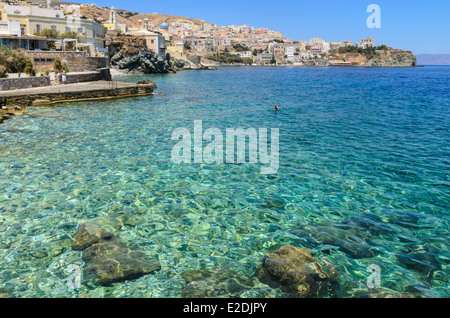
364,179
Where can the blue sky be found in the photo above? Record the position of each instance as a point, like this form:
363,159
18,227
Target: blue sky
419,26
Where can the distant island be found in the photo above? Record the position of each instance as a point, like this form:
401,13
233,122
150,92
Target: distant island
433,59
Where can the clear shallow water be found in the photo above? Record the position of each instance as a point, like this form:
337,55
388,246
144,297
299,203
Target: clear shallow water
363,179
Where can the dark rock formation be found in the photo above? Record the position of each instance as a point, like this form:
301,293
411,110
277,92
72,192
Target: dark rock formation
130,54
107,259
296,272
139,61
144,82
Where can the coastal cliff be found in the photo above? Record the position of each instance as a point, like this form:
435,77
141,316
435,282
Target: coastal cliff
382,56
393,58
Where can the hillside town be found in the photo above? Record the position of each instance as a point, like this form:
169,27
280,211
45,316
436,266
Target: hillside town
71,43
48,27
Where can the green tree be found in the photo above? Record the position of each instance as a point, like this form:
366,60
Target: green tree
240,48
29,69
48,33
3,73
58,66
14,61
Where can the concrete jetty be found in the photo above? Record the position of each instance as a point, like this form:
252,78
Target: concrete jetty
99,90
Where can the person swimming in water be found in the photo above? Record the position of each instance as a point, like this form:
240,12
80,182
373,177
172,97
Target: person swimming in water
276,107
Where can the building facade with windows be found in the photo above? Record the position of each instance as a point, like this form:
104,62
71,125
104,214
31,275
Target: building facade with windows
154,41
33,20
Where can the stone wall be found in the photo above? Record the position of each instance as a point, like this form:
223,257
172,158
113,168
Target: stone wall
194,59
7,84
100,74
81,77
103,93
76,61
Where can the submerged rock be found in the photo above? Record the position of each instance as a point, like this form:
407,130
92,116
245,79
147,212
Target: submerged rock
215,283
109,260
5,294
14,110
89,234
274,203
296,272
421,258
321,236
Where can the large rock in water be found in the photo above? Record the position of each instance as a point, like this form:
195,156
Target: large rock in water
107,259
141,61
131,55
296,272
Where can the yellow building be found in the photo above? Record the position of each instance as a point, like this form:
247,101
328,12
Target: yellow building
154,41
34,20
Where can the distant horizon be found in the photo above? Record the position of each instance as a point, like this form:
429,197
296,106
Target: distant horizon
409,25
433,59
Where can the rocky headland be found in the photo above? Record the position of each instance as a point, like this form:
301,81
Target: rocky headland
382,56
129,55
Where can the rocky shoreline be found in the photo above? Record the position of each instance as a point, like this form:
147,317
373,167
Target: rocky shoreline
128,55
8,112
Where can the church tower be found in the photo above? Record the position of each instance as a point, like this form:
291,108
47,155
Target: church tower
112,15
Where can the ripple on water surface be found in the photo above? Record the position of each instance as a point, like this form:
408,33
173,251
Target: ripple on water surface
363,180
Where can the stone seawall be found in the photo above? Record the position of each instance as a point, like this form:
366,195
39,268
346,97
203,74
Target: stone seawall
76,61
99,75
7,84
100,90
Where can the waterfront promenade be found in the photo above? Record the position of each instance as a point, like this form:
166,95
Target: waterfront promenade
98,90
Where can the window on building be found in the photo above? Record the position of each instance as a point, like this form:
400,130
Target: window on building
53,27
152,41
80,30
38,28
67,29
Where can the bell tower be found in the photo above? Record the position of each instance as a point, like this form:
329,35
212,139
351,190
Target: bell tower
112,16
